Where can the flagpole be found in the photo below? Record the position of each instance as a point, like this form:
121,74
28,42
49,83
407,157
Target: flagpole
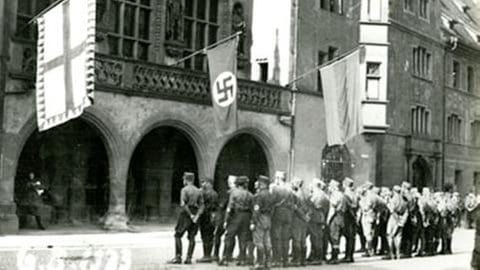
56,3
323,65
206,48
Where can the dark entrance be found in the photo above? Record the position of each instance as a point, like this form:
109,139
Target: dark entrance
421,174
155,175
336,162
242,155
72,163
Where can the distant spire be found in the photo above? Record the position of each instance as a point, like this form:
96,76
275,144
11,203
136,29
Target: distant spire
276,61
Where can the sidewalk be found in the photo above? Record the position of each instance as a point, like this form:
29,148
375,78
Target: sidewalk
92,248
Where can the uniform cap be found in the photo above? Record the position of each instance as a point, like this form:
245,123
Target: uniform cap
397,188
406,184
263,179
188,176
368,185
297,181
376,190
348,182
318,183
242,180
280,174
333,183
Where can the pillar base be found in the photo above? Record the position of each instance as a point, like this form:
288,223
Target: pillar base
8,220
115,221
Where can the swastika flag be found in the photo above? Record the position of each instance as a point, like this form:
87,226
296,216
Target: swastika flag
65,63
222,64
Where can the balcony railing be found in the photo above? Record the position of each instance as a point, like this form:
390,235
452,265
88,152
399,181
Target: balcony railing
139,78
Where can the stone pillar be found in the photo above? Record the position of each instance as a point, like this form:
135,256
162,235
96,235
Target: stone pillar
116,218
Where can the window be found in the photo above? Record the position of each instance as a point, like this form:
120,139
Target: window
333,6
408,5
456,74
131,37
200,30
320,60
27,9
470,79
263,71
424,9
420,120
458,178
475,133
454,128
373,81
375,10
422,65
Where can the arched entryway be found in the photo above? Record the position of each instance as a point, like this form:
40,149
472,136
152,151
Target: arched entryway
72,163
242,155
421,173
336,162
155,174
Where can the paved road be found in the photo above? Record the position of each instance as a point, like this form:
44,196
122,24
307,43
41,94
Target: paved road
150,250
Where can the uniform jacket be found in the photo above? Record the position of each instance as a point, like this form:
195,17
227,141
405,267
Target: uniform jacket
320,205
191,200
262,209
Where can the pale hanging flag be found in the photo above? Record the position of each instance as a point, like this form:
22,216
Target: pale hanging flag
222,65
65,64
343,97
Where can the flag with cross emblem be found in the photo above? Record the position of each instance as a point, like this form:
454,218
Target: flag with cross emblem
222,65
65,62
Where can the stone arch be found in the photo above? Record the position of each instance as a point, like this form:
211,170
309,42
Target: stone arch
421,175
192,131
101,126
238,147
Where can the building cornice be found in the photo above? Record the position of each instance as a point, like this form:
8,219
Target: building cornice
421,35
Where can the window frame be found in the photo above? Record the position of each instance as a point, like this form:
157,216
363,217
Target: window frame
470,79
408,6
195,22
420,120
424,10
34,9
136,39
375,77
456,74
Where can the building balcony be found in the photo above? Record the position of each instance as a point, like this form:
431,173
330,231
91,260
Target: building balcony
150,80
139,78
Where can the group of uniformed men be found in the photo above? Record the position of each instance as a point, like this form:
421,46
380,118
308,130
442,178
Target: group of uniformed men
391,222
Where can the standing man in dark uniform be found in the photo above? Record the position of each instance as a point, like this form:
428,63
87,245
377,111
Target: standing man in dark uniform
300,219
237,221
207,225
33,199
472,205
318,231
282,218
398,217
262,222
350,218
191,204
219,217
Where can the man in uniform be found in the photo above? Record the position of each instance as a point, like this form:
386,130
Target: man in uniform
33,200
350,218
336,219
426,214
237,221
398,217
207,225
370,214
282,218
261,223
301,217
472,205
191,204
219,217
319,211
410,225
384,213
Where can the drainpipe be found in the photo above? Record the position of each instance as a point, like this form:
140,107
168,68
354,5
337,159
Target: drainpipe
293,86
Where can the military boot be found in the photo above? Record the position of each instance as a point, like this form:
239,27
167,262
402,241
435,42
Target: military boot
334,258
178,252
191,248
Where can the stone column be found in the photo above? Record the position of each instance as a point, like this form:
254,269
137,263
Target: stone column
116,218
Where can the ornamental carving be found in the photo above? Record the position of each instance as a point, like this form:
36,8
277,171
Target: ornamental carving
174,28
456,103
108,72
239,25
422,95
29,60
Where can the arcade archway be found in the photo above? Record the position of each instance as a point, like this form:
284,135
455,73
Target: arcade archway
72,163
155,174
336,162
421,173
242,155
